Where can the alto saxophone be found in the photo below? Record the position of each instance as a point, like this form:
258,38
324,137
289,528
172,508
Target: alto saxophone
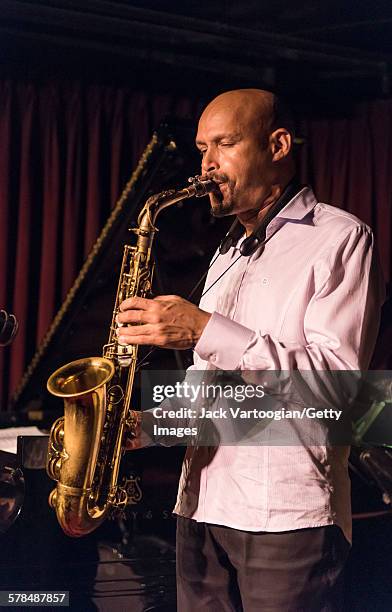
87,443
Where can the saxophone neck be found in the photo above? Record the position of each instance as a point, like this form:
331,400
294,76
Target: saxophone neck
199,187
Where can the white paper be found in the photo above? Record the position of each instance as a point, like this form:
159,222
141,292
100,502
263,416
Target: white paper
8,437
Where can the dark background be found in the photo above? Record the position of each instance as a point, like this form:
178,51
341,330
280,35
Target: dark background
82,87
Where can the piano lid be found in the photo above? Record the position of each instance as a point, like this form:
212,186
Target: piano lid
182,249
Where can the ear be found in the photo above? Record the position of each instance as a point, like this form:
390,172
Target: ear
280,144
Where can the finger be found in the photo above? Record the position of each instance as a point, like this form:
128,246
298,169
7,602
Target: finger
141,339
131,316
136,303
140,334
138,317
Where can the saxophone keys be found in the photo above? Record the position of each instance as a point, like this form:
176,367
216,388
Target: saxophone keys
54,467
125,354
53,499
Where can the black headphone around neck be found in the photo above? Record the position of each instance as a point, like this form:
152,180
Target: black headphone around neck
257,237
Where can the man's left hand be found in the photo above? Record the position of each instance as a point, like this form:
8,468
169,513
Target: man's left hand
168,321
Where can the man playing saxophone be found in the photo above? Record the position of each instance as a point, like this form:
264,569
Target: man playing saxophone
266,527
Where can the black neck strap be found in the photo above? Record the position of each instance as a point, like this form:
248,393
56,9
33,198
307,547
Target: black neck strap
257,237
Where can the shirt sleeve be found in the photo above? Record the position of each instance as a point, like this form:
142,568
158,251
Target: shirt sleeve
340,323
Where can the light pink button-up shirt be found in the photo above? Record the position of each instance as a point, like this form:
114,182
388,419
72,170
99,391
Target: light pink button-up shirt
310,301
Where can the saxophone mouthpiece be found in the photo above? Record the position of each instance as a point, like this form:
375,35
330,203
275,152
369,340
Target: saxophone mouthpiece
203,184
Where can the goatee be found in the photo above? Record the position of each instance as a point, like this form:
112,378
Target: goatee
222,208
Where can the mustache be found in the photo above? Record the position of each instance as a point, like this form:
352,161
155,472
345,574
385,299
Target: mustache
217,178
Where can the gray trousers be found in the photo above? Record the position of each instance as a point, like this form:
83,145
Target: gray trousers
220,569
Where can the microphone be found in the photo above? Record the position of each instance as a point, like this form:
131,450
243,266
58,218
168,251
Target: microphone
8,328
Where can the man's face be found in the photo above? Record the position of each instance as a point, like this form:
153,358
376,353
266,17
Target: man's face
236,154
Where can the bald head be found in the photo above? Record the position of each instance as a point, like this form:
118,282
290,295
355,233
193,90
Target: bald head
260,108
244,151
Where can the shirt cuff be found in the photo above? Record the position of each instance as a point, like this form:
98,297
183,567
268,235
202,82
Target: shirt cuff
223,342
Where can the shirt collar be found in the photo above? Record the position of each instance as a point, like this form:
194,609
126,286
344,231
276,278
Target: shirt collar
299,206
296,209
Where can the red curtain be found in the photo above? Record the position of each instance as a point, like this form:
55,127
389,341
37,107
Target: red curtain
66,151
349,164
